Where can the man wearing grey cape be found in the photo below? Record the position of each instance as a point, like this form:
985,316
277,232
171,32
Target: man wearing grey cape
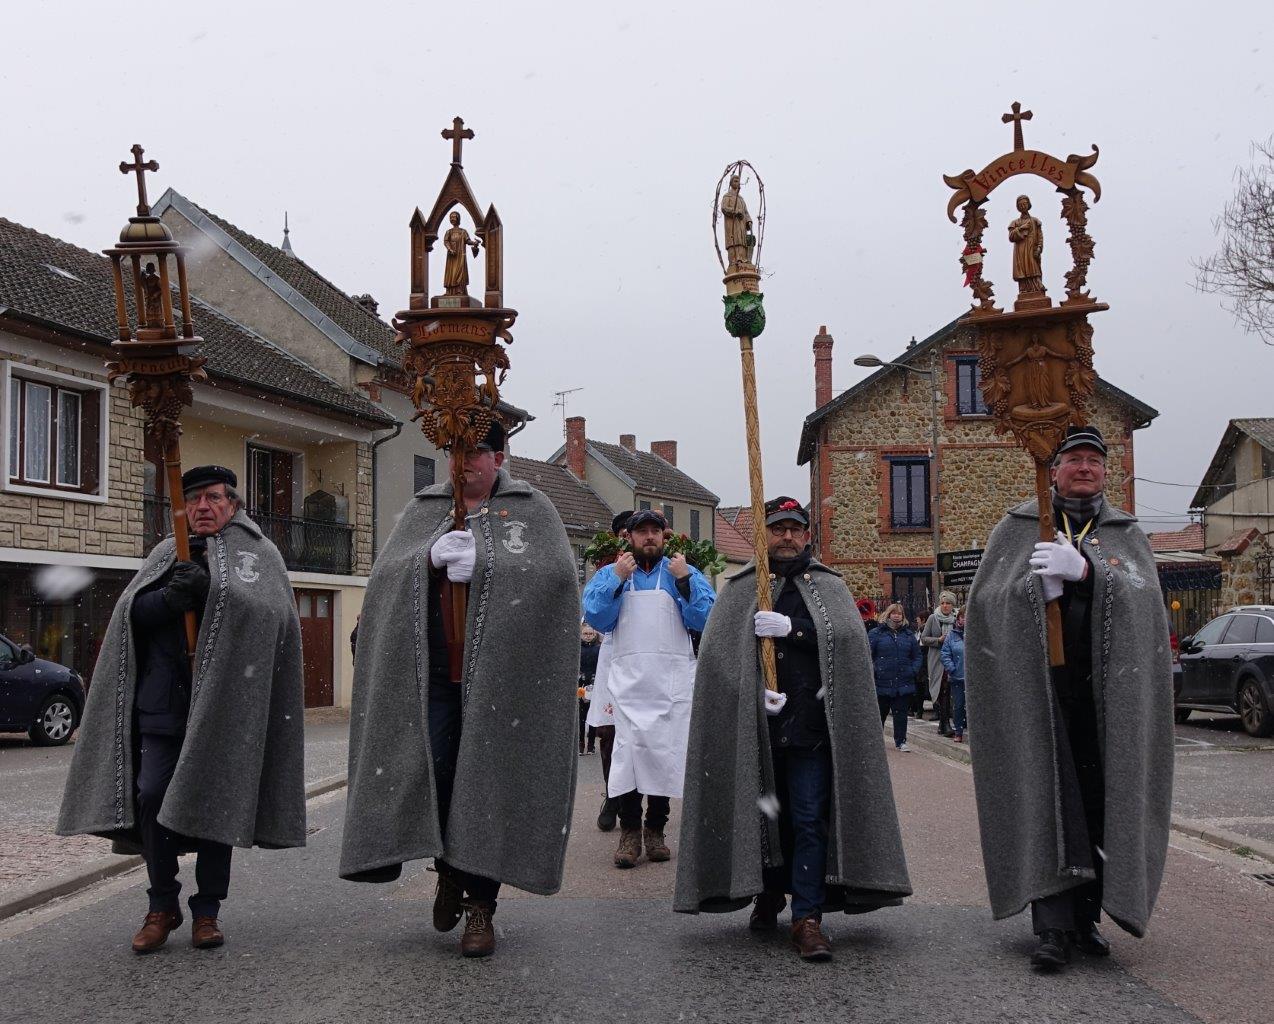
470,763
171,760
788,792
1073,765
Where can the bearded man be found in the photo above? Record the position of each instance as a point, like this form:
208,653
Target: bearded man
201,754
825,828
472,764
650,603
1073,766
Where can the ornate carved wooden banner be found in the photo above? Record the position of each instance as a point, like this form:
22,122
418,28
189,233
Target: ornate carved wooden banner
1036,360
152,357
454,359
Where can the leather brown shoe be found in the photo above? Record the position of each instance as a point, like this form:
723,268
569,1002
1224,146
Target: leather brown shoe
448,903
765,914
656,847
809,940
629,848
479,934
204,933
155,930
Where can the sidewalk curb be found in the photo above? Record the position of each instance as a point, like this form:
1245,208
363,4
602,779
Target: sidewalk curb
109,866
1209,834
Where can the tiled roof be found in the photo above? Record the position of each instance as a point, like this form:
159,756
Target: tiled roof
731,543
740,517
1189,539
652,474
48,281
1237,542
577,503
809,431
1259,429
355,320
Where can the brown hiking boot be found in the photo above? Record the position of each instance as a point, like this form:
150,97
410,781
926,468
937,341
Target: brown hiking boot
478,938
765,914
204,933
155,930
629,848
448,903
809,940
656,849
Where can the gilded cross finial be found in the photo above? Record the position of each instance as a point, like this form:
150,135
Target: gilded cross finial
1017,117
457,133
140,169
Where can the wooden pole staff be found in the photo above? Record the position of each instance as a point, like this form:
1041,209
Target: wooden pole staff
1048,532
756,486
181,534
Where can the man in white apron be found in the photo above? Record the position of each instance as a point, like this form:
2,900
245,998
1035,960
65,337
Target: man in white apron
649,603
601,712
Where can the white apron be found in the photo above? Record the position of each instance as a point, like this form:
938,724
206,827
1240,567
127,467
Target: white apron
599,706
651,681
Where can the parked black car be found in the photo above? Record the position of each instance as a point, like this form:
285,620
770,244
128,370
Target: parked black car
1229,666
38,697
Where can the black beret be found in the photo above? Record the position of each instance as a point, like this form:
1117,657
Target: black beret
496,436
620,522
205,476
783,507
646,515
1081,437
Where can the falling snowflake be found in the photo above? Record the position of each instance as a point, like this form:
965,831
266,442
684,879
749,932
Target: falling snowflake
769,805
61,582
822,691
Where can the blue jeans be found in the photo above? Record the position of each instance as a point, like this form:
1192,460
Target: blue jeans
957,698
899,706
803,780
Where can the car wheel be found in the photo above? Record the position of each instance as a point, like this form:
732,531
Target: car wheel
1255,713
1182,715
55,722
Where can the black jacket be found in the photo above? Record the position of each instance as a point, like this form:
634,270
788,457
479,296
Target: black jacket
588,662
802,724
162,701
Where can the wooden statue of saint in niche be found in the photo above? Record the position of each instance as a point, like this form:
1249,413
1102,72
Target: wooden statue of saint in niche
1027,235
739,240
455,275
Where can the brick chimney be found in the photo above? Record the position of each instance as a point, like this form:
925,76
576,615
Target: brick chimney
666,450
822,368
575,446
628,441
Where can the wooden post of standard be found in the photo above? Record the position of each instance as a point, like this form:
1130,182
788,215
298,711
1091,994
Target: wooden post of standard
756,487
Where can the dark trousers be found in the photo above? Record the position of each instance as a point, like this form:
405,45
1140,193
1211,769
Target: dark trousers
592,738
157,761
583,723
803,781
606,745
657,808
960,720
898,706
444,742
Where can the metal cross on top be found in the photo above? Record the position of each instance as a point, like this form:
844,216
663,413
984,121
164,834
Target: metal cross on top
457,133
1017,117
143,206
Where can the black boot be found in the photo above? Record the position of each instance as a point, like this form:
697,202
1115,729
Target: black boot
609,813
1091,941
1053,951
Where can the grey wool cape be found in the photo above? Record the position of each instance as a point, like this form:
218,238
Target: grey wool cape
726,840
1034,839
240,779
515,773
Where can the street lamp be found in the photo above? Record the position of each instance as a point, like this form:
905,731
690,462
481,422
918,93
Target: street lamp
935,498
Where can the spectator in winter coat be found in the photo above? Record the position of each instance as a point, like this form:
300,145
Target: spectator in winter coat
952,654
895,655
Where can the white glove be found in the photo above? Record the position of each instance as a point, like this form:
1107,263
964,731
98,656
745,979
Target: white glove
774,700
1052,587
1059,558
772,624
455,550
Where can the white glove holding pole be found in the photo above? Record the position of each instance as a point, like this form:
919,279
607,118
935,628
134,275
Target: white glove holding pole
774,702
455,550
772,624
1055,562
1052,587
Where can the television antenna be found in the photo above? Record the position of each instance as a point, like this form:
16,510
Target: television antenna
560,402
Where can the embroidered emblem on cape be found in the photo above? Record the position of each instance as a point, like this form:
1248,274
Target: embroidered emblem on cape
515,543
244,570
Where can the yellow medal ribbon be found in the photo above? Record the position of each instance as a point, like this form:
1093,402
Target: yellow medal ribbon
1066,525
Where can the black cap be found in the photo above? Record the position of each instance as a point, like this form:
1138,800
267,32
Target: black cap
620,522
496,437
783,507
1081,437
205,476
646,515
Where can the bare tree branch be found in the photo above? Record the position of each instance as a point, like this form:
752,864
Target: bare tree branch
1242,269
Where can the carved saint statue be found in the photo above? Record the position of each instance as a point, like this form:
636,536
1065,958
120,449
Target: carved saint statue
455,276
1027,235
1039,383
739,241
152,311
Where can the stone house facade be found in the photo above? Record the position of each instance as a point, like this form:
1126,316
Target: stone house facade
82,489
1237,490
872,471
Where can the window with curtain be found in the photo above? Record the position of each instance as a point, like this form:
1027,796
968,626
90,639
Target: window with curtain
54,435
969,388
909,493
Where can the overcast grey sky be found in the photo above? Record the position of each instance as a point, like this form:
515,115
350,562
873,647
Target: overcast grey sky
601,131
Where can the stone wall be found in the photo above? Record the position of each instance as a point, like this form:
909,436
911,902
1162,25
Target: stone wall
982,474
363,536
59,522
1245,576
